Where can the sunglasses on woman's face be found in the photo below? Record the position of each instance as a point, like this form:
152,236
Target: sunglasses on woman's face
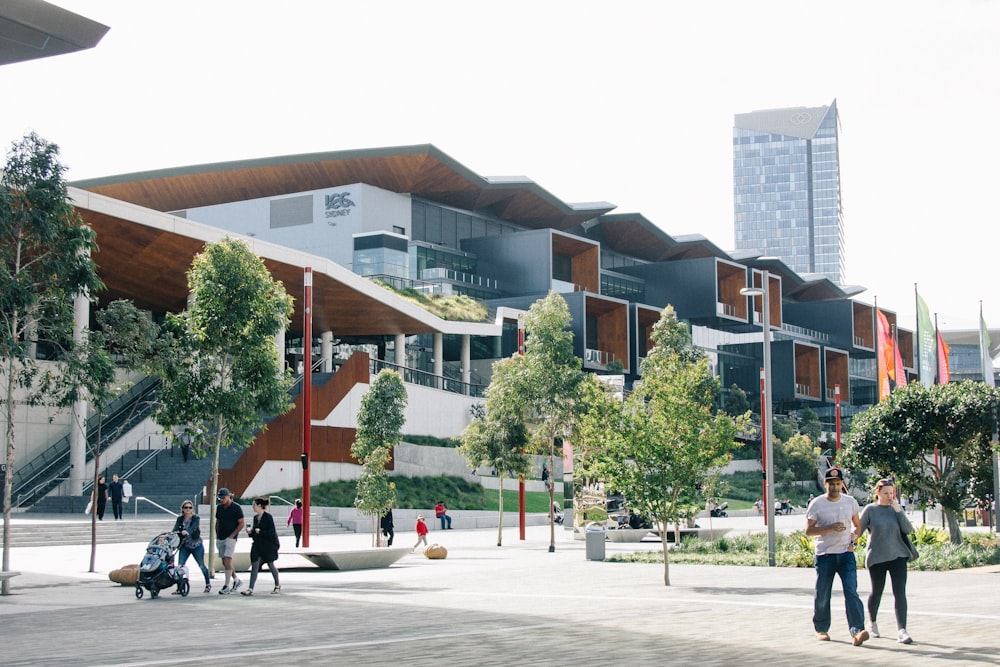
187,507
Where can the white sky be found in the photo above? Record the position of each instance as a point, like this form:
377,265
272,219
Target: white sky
629,103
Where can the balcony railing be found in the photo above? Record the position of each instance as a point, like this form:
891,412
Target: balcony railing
727,309
598,357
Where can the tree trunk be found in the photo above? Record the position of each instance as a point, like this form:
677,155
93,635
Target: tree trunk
211,504
500,521
954,525
93,493
552,489
664,527
8,480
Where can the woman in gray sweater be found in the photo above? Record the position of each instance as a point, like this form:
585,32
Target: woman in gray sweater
888,551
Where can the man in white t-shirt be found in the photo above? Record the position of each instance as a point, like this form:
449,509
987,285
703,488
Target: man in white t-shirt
830,519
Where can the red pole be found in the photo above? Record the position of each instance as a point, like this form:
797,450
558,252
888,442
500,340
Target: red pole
836,397
520,478
306,398
763,444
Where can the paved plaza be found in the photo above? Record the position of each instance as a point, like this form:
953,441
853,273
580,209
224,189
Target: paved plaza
514,605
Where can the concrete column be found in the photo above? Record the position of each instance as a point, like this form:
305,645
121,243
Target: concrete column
78,423
439,356
400,359
279,344
466,361
326,351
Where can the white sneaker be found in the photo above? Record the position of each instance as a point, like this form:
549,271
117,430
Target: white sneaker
873,629
236,584
904,637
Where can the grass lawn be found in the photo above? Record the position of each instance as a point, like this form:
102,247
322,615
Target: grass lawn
534,501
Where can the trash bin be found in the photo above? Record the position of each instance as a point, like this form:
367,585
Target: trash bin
595,541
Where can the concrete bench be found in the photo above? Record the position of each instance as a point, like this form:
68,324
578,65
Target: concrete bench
356,559
700,533
361,559
627,534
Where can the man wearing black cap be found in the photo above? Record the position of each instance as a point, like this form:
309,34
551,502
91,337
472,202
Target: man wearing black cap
830,519
228,524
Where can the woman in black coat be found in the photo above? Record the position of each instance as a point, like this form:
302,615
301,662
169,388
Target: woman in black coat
265,545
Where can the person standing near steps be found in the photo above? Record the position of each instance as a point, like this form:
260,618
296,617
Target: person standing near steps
295,520
833,520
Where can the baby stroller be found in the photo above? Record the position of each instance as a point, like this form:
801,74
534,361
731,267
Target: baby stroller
157,570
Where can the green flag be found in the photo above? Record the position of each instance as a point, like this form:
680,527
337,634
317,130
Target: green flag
926,345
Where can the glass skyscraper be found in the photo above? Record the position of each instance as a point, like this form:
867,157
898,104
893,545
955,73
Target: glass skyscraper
786,187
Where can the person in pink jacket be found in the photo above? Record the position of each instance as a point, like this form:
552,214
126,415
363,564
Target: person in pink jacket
295,520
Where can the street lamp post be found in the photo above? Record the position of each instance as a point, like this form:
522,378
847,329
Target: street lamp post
764,293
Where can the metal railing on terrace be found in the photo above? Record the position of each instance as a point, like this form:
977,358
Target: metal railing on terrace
426,379
441,273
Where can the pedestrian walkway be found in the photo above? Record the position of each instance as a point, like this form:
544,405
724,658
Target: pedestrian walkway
483,605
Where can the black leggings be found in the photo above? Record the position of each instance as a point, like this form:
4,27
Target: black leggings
897,570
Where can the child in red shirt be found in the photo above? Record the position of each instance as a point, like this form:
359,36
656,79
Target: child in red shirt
421,532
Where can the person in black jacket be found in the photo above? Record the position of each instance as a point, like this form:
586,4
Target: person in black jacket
101,497
116,490
265,545
188,526
385,523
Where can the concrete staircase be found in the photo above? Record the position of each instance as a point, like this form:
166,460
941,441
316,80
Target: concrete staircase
32,530
167,480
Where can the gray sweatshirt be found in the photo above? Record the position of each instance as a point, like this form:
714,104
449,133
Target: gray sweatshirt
886,528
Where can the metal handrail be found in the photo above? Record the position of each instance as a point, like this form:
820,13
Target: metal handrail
38,488
154,504
287,502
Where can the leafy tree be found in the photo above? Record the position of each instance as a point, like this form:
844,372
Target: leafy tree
380,423
126,338
597,440
221,375
674,436
549,380
497,435
736,402
796,456
45,253
935,441
810,424
784,430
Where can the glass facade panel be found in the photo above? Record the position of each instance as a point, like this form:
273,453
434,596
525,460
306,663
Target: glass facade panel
786,188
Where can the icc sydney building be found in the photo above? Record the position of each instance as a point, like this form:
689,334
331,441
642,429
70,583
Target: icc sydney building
414,217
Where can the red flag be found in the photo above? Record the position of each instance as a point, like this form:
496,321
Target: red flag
885,354
944,374
900,370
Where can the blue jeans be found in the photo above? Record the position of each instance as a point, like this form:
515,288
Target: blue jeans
445,518
846,567
199,558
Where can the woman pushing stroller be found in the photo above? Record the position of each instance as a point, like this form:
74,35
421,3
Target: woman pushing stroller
188,527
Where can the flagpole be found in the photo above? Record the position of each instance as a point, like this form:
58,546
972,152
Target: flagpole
916,327
987,363
937,350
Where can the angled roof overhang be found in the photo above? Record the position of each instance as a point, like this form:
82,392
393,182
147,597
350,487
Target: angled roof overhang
32,29
796,286
696,246
421,171
630,234
143,255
